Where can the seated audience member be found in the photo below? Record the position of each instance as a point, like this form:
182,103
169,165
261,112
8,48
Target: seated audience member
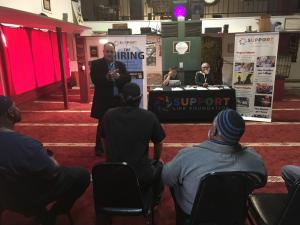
220,153
171,75
126,133
291,175
204,76
35,177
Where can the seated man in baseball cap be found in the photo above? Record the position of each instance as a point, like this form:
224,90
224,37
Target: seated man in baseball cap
220,153
126,132
33,178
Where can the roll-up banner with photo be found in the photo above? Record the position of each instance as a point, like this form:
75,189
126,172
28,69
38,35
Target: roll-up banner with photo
130,50
254,70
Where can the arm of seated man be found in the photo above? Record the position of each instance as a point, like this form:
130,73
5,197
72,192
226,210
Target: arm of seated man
157,150
166,81
37,162
157,137
171,173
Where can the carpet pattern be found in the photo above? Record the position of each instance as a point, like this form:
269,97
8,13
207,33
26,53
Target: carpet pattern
71,133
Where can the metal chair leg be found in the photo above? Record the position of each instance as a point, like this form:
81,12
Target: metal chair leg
70,218
1,217
150,218
250,219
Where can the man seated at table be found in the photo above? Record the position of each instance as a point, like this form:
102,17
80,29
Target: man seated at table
204,76
34,178
126,132
220,153
291,176
171,75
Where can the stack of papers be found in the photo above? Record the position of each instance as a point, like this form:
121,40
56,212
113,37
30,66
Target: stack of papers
158,89
190,88
201,88
177,89
213,88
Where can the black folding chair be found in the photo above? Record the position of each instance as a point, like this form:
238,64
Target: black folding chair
12,199
117,192
275,208
222,198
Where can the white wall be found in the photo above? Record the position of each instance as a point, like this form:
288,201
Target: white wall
103,26
58,7
238,24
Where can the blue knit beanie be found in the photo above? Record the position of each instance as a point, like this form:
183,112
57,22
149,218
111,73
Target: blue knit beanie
231,126
5,104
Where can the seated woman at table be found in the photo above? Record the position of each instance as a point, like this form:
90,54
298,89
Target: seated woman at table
171,75
204,76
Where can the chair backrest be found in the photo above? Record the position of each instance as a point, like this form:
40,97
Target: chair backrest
115,185
291,215
222,198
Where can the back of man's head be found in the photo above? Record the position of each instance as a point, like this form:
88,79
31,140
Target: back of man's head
230,125
131,95
5,104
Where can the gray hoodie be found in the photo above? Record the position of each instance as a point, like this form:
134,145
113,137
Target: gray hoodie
185,171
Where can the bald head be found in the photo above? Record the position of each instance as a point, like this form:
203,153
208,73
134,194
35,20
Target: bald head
109,51
205,68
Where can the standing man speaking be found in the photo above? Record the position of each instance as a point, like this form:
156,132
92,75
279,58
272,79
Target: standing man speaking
109,76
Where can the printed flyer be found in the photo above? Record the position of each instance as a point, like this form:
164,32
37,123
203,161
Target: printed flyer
254,71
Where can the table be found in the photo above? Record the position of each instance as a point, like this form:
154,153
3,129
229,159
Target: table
190,103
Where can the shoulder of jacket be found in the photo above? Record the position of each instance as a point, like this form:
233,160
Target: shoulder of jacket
101,60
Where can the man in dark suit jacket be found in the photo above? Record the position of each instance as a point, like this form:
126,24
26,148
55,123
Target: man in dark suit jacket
109,77
204,77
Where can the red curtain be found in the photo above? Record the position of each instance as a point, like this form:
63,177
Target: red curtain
1,82
43,57
55,55
32,59
18,58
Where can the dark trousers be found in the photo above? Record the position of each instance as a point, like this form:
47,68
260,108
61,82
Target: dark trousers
70,184
98,147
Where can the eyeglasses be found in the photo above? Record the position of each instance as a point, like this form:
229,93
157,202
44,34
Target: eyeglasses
109,51
205,67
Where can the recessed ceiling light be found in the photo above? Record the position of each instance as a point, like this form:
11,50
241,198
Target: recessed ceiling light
209,2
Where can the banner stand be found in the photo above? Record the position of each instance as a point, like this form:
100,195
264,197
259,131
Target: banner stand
254,71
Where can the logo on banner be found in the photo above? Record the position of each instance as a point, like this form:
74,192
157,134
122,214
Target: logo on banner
256,40
168,103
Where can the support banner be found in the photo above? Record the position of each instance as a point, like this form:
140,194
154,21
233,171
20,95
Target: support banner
254,71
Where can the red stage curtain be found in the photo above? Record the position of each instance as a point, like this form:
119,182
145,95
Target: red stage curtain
18,58
55,55
43,57
1,89
31,59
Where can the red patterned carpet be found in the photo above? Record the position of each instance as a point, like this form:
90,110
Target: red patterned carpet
71,135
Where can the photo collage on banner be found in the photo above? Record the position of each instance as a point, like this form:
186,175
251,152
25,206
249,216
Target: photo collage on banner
254,71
